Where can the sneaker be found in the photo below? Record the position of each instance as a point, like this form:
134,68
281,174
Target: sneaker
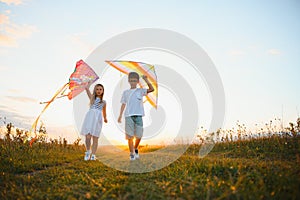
137,156
132,157
87,155
93,157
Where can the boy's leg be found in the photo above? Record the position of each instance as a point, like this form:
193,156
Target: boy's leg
95,144
136,145
137,142
130,145
138,133
129,132
88,142
138,130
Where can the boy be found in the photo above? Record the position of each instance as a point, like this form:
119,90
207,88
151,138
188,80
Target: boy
132,99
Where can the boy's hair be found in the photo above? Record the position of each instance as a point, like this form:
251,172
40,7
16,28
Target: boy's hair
133,75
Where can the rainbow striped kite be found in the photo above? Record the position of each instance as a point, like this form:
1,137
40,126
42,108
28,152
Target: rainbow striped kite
79,79
142,69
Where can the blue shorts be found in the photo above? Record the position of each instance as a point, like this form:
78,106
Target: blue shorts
134,127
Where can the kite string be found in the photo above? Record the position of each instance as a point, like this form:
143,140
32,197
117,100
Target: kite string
62,94
34,125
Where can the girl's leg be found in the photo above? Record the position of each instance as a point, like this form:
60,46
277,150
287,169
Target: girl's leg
95,144
88,142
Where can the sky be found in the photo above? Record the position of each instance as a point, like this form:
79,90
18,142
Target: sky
254,45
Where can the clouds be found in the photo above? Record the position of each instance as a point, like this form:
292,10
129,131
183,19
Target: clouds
14,91
4,19
21,99
16,95
10,32
236,53
80,41
3,68
252,51
274,52
9,2
8,115
14,117
9,109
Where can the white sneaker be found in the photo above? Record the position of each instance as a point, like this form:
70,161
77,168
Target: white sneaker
93,157
132,157
137,155
87,155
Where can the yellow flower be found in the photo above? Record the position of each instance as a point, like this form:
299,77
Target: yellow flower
233,188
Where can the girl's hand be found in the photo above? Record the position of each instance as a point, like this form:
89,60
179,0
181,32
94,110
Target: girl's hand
105,120
120,119
144,77
88,85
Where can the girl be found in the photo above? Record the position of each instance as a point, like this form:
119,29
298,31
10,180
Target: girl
92,123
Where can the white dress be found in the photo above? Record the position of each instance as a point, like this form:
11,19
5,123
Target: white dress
92,123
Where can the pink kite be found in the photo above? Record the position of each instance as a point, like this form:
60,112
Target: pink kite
79,79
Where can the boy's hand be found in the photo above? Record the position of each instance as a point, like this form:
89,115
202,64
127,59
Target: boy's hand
151,89
120,119
105,120
145,77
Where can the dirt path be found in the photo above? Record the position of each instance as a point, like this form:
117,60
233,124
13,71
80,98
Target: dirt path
119,159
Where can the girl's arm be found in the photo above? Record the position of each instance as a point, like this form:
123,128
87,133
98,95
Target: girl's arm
88,92
104,113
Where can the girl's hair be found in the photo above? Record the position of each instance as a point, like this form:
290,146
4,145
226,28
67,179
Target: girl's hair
94,94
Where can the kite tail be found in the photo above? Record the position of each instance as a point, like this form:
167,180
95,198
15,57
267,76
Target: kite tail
34,125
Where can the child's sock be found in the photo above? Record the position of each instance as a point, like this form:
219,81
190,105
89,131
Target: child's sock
88,151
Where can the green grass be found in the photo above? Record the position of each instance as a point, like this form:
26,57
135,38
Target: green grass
265,168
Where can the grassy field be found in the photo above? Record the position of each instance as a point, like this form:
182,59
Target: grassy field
265,168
